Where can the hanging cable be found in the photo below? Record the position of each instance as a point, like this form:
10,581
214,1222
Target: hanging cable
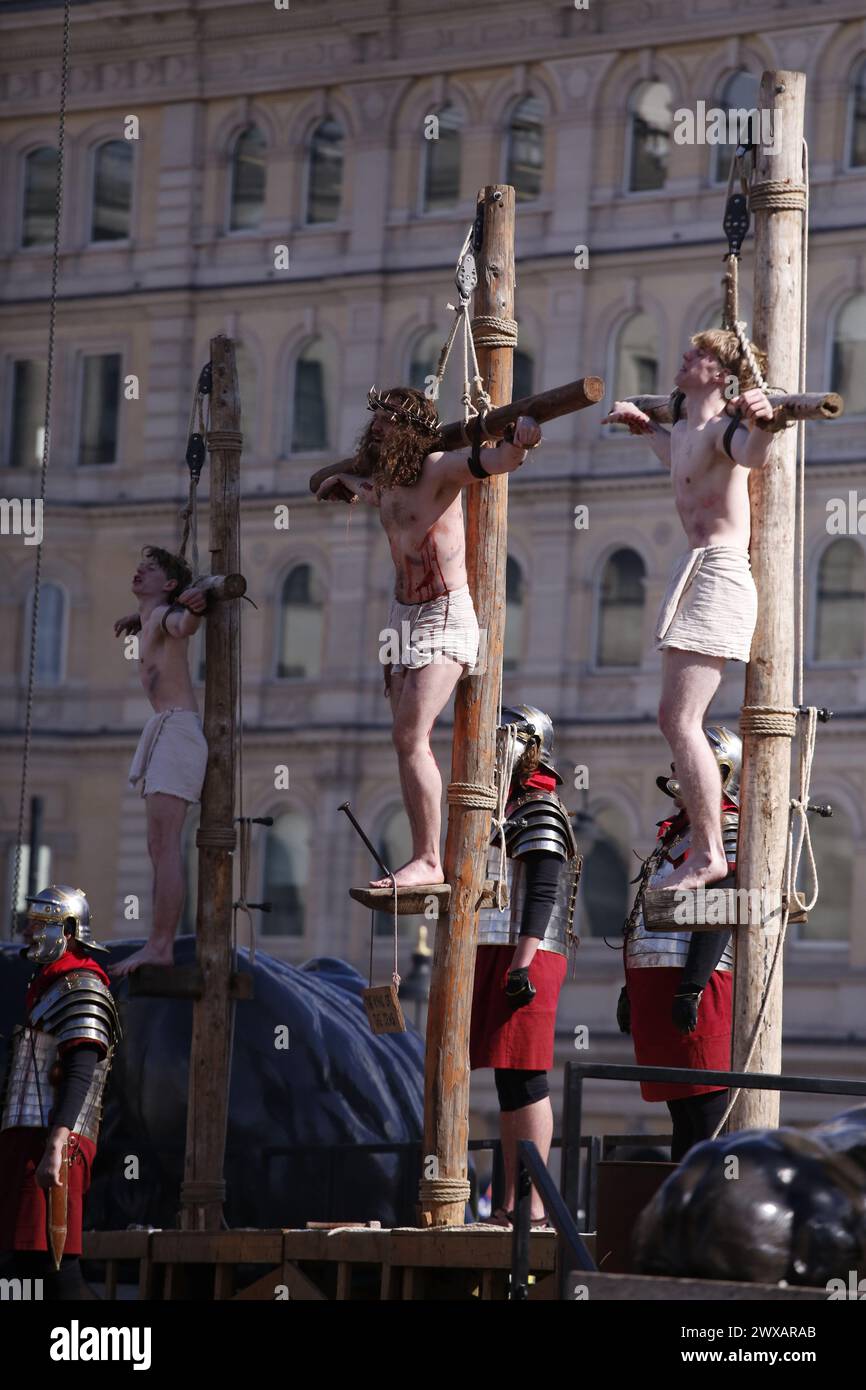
43,478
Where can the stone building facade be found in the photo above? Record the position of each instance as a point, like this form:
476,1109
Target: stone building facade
269,174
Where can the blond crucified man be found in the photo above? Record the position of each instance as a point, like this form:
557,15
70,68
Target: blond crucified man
711,607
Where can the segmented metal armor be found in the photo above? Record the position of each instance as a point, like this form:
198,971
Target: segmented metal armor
537,820
78,1006
657,948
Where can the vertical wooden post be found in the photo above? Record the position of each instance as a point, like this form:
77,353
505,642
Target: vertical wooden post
203,1189
446,1082
765,788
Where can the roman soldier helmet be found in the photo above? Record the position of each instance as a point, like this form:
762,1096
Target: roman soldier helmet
531,724
53,914
728,752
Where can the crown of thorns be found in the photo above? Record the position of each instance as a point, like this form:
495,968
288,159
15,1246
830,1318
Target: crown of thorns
400,410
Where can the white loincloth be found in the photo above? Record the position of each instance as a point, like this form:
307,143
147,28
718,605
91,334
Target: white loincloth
171,756
711,605
425,632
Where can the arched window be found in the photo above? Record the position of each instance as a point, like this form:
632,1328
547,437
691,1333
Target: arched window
604,889
27,432
525,162
112,191
739,96
248,178
99,409
423,360
841,615
40,197
833,843
515,615
287,872
325,179
301,615
524,373
651,123
848,370
637,365
394,843
50,637
711,319
857,120
310,399
620,611
442,161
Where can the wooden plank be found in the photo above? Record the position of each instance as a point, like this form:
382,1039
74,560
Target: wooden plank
409,900
388,1283
110,1279
115,1245
810,405
469,1248
344,1281
223,1282
217,1247
414,900
642,1287
543,406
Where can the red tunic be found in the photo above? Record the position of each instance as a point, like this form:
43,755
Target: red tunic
657,1042
501,1035
23,1209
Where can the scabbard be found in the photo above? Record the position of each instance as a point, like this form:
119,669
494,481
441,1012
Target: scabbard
57,1207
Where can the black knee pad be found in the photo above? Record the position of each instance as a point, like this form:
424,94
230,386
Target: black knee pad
517,1089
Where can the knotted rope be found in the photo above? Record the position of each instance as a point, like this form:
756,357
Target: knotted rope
444,1190
767,721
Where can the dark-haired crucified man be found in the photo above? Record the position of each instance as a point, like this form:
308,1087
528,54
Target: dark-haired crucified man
171,758
432,637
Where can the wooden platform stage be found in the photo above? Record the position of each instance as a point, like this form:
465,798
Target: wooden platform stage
453,1263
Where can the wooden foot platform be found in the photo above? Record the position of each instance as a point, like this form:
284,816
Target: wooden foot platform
417,898
717,908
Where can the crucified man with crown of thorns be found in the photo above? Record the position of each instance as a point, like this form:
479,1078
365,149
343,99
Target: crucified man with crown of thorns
432,637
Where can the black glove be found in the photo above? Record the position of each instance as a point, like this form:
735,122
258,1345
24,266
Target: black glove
684,1010
623,1011
519,989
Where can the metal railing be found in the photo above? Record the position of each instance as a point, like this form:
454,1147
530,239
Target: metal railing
562,1209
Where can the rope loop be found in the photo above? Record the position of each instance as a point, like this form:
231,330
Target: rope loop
767,721
472,794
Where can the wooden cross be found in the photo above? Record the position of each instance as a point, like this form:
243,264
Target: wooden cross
476,711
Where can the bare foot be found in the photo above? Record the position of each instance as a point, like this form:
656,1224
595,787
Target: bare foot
697,873
149,954
416,872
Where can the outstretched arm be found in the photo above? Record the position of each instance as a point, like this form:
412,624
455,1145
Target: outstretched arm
453,467
346,487
658,438
186,622
753,449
